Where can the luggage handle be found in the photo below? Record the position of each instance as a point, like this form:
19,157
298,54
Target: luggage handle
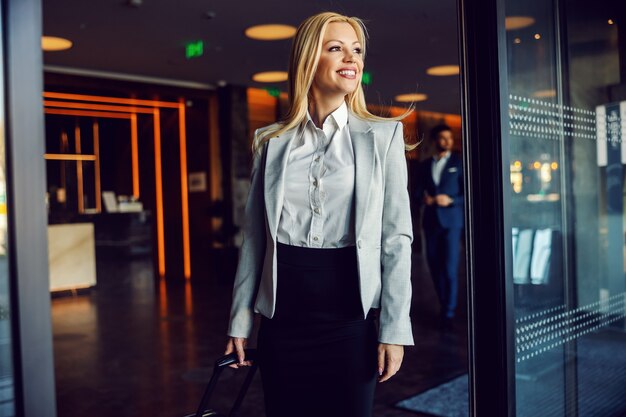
219,366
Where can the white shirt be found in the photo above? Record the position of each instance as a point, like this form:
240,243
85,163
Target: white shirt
319,186
437,167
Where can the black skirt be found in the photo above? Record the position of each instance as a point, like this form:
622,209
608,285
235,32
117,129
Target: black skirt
318,355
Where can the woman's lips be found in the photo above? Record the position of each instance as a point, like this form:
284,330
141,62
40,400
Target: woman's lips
347,73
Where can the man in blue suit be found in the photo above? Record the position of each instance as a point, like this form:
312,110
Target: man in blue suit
440,193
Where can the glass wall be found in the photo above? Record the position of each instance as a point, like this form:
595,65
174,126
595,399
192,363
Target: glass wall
567,121
6,364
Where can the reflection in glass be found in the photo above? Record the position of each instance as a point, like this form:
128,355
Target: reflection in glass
567,123
7,405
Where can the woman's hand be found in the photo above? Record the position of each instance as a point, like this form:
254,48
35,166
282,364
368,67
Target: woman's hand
389,360
238,344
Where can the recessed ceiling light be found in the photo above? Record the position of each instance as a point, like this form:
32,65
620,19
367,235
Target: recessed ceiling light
537,36
443,70
518,22
545,93
409,98
271,32
52,43
270,76
611,22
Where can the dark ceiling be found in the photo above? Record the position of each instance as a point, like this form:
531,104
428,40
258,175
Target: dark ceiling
406,37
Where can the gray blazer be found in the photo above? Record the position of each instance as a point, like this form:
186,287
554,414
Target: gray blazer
383,230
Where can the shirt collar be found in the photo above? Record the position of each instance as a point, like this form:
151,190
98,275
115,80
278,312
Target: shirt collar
443,158
339,116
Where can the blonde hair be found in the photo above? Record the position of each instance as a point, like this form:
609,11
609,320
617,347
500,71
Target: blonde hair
305,54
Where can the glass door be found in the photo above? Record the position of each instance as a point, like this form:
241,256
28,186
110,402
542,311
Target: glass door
7,406
565,97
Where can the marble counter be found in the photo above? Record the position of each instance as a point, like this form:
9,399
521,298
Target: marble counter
71,256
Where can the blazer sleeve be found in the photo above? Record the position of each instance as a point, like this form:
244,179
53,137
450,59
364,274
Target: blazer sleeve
251,255
397,235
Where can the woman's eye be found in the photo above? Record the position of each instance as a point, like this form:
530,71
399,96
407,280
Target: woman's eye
358,51
334,48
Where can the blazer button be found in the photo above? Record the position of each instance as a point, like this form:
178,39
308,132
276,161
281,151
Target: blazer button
359,244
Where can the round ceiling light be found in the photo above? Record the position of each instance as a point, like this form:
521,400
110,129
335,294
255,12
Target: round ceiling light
270,76
443,70
411,98
53,43
271,32
518,22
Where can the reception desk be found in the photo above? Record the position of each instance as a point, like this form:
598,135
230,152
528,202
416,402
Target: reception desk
71,256
74,240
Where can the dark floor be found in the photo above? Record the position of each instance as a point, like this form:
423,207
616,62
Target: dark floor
133,347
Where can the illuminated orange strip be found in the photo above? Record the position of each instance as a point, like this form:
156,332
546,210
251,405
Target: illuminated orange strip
159,191
162,297
184,191
215,163
101,107
84,113
64,147
68,157
188,299
79,171
101,99
96,151
135,154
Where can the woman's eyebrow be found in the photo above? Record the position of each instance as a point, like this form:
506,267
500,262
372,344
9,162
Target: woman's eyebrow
341,42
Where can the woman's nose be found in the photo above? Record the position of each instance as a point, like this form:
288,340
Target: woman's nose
349,56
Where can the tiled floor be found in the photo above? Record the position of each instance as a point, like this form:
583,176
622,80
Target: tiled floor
136,347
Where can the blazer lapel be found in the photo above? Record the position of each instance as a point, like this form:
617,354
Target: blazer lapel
274,184
445,174
363,146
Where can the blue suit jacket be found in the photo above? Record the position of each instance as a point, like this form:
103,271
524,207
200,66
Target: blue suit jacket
451,184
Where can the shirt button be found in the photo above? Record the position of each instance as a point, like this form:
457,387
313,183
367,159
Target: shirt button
317,159
316,210
315,238
314,183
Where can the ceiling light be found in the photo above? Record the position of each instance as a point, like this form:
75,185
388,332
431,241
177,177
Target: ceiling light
517,41
545,93
537,36
443,70
518,22
270,32
410,98
270,76
611,22
52,43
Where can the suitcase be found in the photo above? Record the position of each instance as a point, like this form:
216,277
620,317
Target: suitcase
219,366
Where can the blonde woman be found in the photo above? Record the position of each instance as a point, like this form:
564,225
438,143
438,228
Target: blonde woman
326,256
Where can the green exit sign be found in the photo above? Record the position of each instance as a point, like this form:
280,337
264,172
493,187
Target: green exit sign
273,91
366,79
194,49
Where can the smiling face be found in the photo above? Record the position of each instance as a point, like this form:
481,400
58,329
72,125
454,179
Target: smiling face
340,65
